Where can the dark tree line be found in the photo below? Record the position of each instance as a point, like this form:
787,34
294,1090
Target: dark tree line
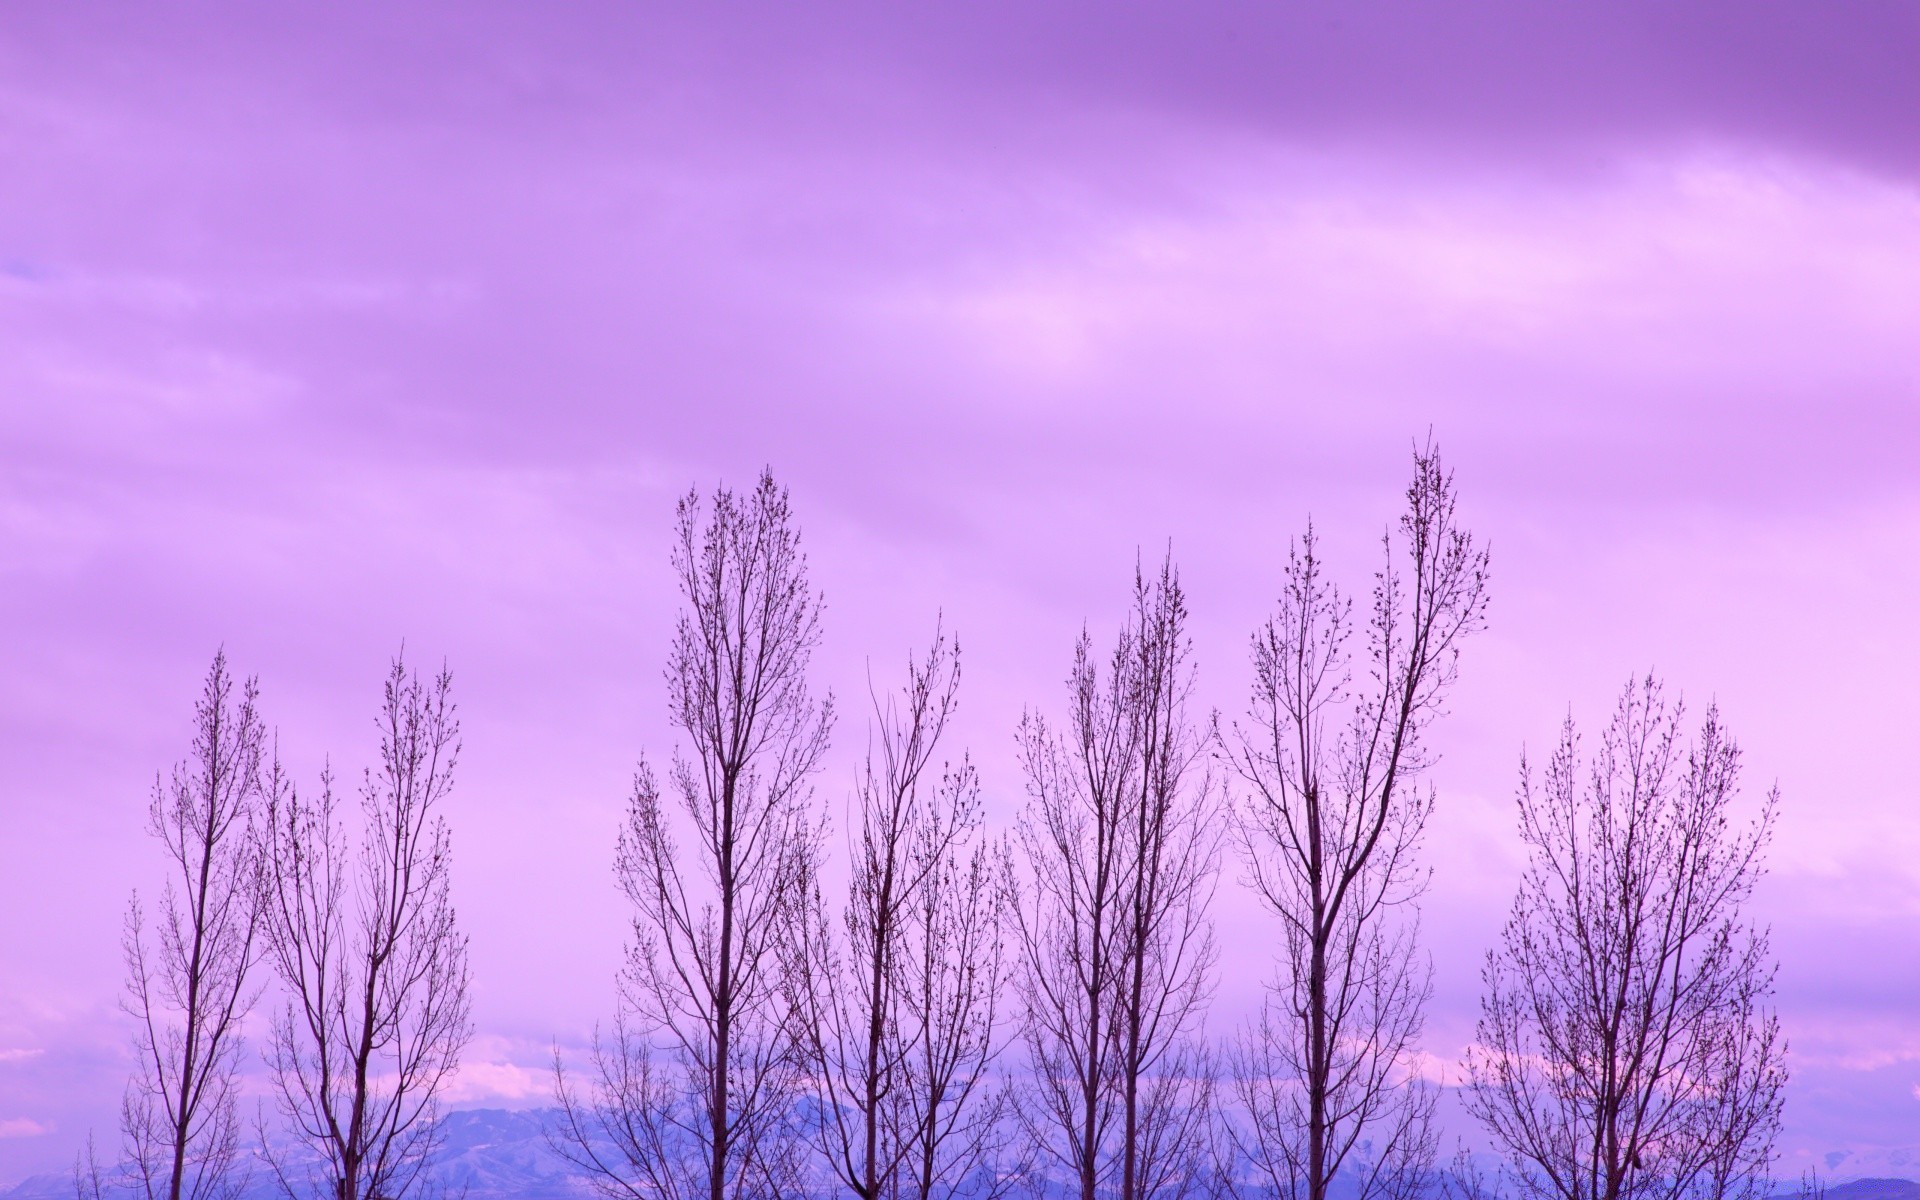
959,1015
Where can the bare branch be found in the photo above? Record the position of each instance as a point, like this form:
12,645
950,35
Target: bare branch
897,1010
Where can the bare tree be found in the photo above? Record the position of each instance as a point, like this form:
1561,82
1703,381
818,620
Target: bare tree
1068,926
187,984
1116,945
374,967
1627,1047
895,1014
957,1115
1172,841
694,1095
1330,823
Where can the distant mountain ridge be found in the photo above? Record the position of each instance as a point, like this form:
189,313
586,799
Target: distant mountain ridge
1875,1189
498,1154
489,1153
492,1153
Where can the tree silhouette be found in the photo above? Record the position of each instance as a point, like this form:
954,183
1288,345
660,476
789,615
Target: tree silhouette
1331,815
897,1003
366,947
187,982
1115,944
1627,1048
694,1093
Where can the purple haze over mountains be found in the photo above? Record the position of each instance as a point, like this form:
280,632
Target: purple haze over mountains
322,329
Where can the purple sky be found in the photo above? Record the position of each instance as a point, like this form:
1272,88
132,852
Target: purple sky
315,336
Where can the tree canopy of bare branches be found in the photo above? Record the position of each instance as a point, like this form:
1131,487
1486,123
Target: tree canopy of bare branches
1115,945
367,950
1627,1049
896,1014
1331,816
693,1095
187,985
959,1144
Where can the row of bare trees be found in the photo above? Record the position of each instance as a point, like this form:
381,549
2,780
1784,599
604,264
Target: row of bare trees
967,1015
980,1016
357,929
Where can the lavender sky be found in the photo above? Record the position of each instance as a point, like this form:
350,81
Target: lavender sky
322,330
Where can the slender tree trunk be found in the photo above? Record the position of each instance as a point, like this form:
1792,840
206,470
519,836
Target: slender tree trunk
880,984
723,1010
1091,1083
189,1075
1319,1068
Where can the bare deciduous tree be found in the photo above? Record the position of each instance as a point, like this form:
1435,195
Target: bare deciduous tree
959,1140
1331,818
1172,842
1067,926
1116,945
895,1013
187,986
1626,1046
374,967
694,1095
